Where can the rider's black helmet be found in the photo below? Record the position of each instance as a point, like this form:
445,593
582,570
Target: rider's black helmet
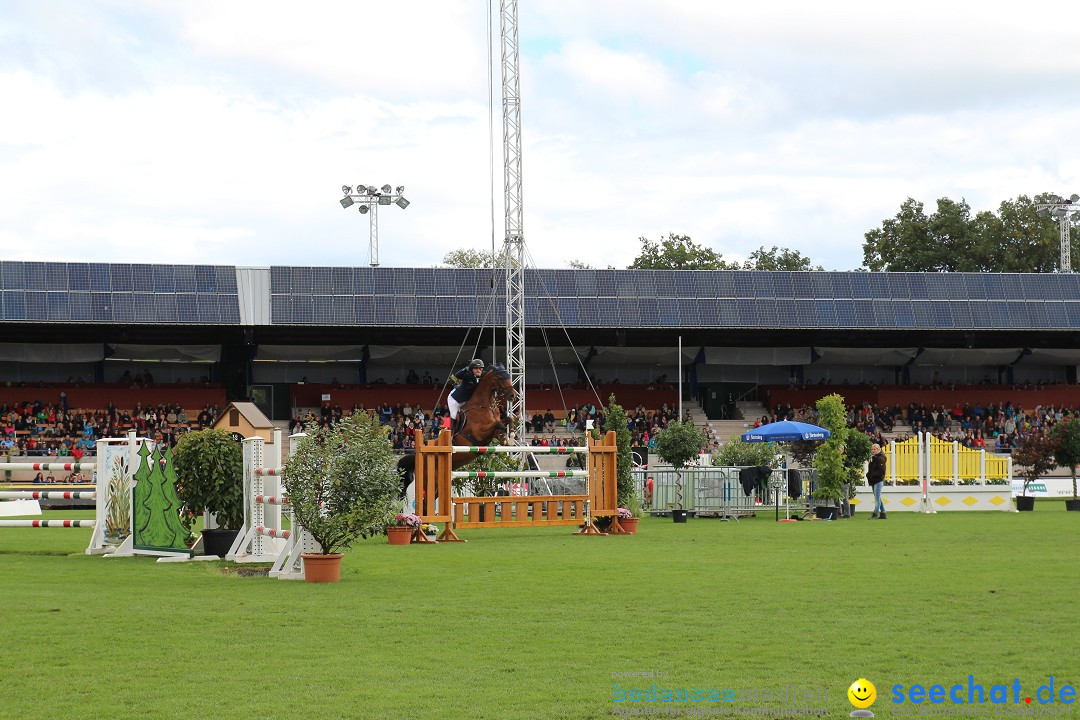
477,363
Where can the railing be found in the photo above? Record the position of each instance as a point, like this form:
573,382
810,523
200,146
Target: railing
524,511
715,491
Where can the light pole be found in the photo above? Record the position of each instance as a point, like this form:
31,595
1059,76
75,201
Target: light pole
1061,208
369,198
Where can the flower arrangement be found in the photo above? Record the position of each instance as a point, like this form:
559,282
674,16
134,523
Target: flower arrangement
625,514
429,529
408,520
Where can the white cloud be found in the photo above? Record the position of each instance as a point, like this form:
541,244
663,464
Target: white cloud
222,132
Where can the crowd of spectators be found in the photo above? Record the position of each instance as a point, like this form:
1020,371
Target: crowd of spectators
403,420
33,428
997,427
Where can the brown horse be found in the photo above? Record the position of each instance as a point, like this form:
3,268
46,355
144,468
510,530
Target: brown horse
483,420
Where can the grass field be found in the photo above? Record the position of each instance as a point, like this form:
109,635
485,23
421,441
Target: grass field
533,623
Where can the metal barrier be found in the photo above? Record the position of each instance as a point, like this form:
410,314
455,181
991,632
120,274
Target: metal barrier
717,492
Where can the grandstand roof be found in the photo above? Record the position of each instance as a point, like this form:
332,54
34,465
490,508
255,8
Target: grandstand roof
307,304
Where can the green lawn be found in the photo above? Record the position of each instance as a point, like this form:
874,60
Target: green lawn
533,623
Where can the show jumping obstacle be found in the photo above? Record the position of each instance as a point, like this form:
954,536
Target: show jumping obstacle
435,502
35,495
122,526
263,539
45,495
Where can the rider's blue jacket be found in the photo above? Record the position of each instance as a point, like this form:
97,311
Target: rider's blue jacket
467,383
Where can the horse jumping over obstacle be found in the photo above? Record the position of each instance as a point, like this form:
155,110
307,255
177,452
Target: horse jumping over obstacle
483,421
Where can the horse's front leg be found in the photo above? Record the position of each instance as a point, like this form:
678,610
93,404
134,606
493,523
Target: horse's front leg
500,423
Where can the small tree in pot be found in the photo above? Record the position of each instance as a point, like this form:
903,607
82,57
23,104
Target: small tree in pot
343,484
209,469
679,444
839,467
1067,453
1033,458
856,454
616,419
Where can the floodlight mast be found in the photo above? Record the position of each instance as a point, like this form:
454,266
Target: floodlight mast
369,198
514,245
1062,208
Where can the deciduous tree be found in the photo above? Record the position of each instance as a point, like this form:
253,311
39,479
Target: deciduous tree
678,252
779,259
1015,239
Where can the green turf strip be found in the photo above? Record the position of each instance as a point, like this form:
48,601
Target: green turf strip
531,623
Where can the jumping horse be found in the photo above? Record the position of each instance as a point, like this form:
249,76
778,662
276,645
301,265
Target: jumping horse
483,420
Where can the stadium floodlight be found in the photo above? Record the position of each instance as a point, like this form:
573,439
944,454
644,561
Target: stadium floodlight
369,198
1064,210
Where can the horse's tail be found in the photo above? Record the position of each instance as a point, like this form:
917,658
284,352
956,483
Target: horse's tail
407,466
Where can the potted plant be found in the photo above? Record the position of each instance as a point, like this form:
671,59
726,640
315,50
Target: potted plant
1067,454
839,459
629,514
430,531
616,419
679,444
856,454
343,484
1033,458
210,477
400,533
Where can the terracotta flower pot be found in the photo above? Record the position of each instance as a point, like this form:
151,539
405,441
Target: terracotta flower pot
629,525
322,568
399,534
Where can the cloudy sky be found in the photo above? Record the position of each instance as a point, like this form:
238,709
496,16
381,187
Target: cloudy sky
222,131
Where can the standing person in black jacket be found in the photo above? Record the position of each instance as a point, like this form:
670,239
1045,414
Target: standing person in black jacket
875,475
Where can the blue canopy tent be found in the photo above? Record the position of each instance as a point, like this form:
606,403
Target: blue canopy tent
785,431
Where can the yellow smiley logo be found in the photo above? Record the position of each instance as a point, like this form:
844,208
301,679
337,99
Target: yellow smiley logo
862,693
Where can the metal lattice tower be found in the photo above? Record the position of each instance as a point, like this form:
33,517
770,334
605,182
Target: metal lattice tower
1062,208
514,245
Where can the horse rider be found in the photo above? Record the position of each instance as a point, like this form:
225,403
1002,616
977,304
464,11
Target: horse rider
466,380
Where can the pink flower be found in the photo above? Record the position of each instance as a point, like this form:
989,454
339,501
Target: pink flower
408,520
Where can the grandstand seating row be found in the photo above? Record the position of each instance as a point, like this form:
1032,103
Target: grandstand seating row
903,395
629,396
